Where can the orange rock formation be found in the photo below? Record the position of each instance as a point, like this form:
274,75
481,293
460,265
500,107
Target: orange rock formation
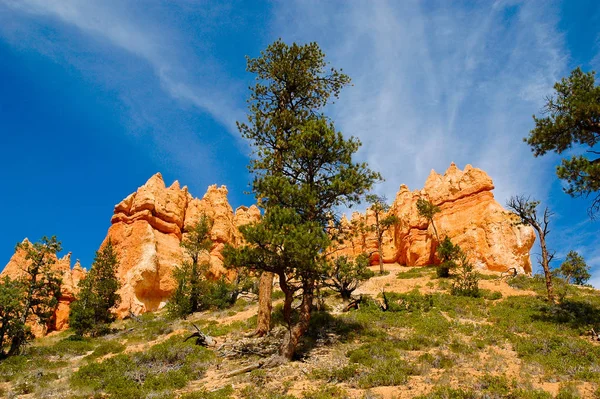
469,215
70,280
147,228
148,225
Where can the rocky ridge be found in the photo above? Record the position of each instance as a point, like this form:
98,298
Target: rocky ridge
147,228
469,215
149,224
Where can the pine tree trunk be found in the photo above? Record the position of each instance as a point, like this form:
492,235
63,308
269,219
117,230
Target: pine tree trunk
380,250
437,238
292,337
546,264
265,304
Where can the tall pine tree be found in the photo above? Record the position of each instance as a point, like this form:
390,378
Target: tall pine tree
40,289
91,312
303,171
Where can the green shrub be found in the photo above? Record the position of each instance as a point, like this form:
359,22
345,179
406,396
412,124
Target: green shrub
160,369
326,392
466,281
336,375
437,361
223,393
415,272
490,295
106,348
12,367
568,391
496,386
73,346
384,363
251,392
449,393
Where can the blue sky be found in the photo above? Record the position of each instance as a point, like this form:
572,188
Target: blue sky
96,96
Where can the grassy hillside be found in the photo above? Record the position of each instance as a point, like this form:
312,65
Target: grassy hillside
509,343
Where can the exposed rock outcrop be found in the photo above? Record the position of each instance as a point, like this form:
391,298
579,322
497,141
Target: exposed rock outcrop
68,289
147,228
469,215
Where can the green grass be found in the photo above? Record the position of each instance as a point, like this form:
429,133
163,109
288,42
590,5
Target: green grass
223,393
384,364
159,370
434,336
549,335
417,272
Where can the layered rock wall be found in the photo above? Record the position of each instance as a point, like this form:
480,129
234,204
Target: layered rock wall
148,225
147,228
469,215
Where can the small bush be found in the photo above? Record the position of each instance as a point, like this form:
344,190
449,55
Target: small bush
162,368
384,363
437,361
223,393
336,375
490,295
345,274
106,348
466,282
12,367
251,392
73,345
449,393
415,272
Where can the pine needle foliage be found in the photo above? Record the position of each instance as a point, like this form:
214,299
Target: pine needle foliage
303,171
571,120
34,295
91,312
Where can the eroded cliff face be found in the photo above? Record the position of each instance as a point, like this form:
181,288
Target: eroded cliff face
69,288
148,225
469,215
147,228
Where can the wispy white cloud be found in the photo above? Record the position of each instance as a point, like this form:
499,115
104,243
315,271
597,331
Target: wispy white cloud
447,82
188,74
153,42
439,84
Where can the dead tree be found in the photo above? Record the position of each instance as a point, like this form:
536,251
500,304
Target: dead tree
201,338
510,272
354,304
386,304
526,210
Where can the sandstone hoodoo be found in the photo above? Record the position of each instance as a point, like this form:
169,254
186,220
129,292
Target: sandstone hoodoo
147,228
469,215
148,225
68,290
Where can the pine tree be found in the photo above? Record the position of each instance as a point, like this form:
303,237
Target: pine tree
11,306
41,289
383,222
91,312
346,274
303,171
292,87
574,269
572,123
190,275
427,210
